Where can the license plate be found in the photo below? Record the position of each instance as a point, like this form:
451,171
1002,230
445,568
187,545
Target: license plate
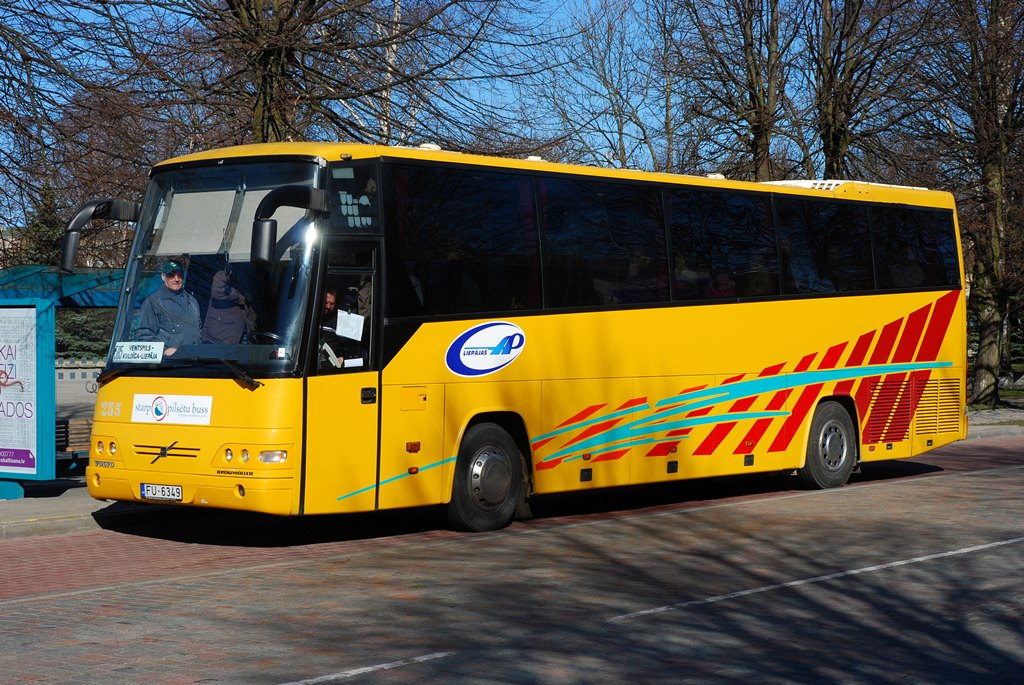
171,493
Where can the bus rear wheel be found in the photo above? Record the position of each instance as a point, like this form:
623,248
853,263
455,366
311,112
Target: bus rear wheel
489,480
831,448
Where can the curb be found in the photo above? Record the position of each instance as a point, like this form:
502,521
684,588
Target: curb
65,506
994,430
49,525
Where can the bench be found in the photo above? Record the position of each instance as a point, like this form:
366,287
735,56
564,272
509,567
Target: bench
73,441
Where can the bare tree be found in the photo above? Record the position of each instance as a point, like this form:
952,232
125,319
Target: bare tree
52,66
595,88
974,76
860,55
618,87
369,70
668,58
746,64
93,93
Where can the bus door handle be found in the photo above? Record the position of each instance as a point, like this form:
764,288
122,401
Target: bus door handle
368,395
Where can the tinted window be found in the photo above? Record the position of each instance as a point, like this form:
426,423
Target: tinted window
724,245
466,241
914,247
603,243
825,247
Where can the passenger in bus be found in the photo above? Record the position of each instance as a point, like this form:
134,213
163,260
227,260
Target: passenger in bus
687,280
720,286
803,271
171,314
363,296
906,269
450,286
229,318
760,277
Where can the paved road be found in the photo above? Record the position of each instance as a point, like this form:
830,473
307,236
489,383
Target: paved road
912,574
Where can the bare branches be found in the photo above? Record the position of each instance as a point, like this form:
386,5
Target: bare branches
974,75
928,93
120,85
861,57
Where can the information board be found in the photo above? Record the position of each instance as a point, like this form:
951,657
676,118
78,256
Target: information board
27,401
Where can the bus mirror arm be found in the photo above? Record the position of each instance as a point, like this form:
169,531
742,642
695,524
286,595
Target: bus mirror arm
109,209
264,228
68,250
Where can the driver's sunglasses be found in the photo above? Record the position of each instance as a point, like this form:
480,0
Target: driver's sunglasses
175,274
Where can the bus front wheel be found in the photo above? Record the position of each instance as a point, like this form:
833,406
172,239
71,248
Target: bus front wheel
488,482
831,448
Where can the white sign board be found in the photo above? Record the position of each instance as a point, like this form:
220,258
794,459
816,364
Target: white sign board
138,352
18,390
185,409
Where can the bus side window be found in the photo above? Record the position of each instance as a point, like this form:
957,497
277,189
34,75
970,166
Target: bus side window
466,241
909,253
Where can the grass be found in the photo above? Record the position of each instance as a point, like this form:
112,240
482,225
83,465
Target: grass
1007,398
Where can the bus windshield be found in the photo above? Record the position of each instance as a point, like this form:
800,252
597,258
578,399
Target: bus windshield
193,302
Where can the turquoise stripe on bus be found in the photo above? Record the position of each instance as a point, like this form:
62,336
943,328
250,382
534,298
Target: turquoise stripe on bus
400,476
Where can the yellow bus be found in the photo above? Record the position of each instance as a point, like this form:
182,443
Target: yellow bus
503,328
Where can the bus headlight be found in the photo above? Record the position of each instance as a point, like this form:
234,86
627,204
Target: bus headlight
273,456
113,448
245,456
228,454
100,449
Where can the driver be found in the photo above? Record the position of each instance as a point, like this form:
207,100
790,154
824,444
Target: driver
329,323
170,315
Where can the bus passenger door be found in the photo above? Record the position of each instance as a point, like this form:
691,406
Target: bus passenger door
342,403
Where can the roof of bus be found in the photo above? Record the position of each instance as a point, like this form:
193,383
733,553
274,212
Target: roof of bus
337,151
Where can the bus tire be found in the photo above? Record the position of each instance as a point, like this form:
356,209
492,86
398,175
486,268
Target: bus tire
831,448
489,480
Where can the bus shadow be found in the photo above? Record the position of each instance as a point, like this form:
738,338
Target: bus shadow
893,469
51,488
706,491
218,527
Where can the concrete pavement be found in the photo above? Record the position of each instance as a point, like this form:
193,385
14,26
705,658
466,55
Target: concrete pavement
914,568
995,423
64,505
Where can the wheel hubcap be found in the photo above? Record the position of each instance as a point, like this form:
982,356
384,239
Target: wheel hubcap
832,446
490,478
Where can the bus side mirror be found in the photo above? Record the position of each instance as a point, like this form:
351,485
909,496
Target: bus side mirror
111,209
264,241
264,229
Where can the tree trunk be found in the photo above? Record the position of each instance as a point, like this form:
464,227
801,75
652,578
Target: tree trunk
990,326
987,294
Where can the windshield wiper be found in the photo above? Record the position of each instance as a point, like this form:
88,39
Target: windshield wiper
114,373
236,370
